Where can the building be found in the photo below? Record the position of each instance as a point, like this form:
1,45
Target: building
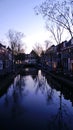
5,60
26,59
67,56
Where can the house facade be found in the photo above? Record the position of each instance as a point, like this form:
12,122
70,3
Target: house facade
5,60
67,56
59,57
26,59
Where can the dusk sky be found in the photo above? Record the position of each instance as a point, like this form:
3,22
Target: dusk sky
19,15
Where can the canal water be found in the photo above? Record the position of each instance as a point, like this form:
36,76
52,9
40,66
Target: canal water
35,101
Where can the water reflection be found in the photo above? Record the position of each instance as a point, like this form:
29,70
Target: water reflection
36,101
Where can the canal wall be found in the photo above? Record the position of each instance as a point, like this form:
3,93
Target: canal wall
6,81
58,76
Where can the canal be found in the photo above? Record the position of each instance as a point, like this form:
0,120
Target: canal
35,101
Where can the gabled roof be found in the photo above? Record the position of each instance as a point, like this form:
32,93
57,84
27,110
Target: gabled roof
51,48
9,48
33,53
2,45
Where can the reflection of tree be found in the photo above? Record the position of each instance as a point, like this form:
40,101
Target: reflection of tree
49,95
19,85
6,100
18,92
59,121
12,98
41,84
30,71
59,116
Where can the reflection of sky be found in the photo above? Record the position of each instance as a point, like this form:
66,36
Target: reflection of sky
22,104
20,16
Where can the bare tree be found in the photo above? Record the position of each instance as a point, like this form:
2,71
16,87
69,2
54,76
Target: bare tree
58,13
15,40
38,49
56,32
47,44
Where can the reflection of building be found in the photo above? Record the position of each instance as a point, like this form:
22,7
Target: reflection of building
66,90
29,71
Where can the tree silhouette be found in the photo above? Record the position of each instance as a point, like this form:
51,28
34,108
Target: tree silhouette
58,14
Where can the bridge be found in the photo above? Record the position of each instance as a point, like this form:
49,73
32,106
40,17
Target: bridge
27,59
